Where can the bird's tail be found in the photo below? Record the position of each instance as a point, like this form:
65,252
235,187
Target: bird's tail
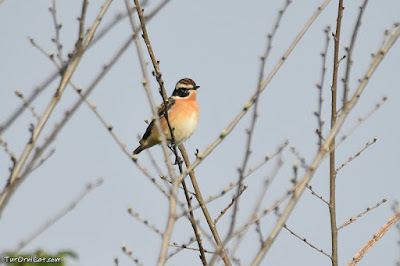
139,149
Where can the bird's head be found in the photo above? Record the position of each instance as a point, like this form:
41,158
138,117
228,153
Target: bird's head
184,88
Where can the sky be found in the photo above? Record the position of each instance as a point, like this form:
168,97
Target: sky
218,44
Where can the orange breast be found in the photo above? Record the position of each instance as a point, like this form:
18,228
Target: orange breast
183,117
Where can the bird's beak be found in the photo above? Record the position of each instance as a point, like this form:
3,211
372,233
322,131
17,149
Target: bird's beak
196,87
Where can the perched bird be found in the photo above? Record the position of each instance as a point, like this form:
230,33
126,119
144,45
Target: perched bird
183,116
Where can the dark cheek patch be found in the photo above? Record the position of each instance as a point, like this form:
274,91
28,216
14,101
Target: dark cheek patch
181,93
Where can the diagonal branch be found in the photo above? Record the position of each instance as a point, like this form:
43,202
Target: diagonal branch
381,232
325,147
172,216
220,247
67,74
262,87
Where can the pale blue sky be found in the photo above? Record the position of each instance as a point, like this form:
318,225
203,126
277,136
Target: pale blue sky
216,43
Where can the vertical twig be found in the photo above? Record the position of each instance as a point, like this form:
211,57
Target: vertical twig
172,219
320,87
250,131
325,147
350,52
332,167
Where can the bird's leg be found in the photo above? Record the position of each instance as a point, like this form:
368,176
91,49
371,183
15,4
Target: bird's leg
171,147
177,158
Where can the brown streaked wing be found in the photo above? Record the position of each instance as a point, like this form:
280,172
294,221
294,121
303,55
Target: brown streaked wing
161,112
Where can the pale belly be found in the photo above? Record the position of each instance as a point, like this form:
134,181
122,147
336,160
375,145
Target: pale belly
182,131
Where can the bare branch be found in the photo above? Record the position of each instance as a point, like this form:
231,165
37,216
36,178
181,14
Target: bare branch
74,61
39,150
320,87
110,129
220,247
264,84
144,221
306,241
179,249
315,194
7,150
353,219
350,52
189,248
64,211
362,119
325,147
381,232
57,27
250,131
130,254
230,204
351,158
27,104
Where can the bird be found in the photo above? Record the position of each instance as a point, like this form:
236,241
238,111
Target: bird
183,116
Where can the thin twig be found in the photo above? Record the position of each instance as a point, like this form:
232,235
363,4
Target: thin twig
64,211
172,217
325,147
349,50
267,182
332,145
181,187
362,119
353,219
395,207
144,221
259,233
154,162
74,61
306,241
257,205
315,194
189,248
250,131
130,254
46,54
232,185
35,93
101,33
48,140
351,158
264,213
7,150
57,27
264,84
179,249
110,129
381,232
230,204
27,104
320,86
43,160
149,95
220,247
303,162
267,158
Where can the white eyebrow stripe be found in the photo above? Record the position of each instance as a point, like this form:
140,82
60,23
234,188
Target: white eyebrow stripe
185,86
